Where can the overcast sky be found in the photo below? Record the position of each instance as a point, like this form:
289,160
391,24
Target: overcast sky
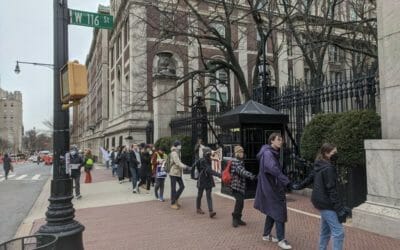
26,34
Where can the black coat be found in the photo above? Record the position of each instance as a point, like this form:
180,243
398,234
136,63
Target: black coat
325,194
145,158
131,158
7,163
206,174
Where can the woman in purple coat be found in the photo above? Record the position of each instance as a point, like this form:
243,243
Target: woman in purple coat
270,194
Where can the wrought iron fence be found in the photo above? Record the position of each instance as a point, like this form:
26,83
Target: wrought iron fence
188,125
302,103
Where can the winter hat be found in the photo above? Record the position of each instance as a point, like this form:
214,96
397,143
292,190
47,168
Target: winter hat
238,149
177,143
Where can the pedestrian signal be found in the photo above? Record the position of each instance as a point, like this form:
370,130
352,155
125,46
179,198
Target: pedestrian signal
74,85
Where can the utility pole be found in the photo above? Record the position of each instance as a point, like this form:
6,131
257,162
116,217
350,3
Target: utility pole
60,214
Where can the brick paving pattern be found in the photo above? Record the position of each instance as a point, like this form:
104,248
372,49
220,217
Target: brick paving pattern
154,225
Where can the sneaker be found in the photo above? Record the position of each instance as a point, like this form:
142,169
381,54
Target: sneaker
120,182
270,238
284,244
175,206
161,199
212,214
78,197
134,191
241,223
199,211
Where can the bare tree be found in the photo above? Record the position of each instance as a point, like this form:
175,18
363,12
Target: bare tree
220,27
320,26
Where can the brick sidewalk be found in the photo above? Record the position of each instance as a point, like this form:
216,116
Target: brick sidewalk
153,225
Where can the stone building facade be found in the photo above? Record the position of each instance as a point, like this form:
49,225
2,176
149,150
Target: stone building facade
127,76
11,126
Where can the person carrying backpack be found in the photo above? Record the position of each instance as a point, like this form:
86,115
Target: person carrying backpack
205,181
175,167
238,184
88,166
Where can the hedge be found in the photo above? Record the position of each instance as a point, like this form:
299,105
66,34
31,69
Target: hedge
187,149
346,130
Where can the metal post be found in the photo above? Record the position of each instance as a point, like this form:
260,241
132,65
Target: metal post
60,213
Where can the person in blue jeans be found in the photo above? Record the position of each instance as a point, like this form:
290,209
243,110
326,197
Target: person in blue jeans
326,199
175,173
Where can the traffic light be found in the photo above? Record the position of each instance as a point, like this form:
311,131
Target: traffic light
74,85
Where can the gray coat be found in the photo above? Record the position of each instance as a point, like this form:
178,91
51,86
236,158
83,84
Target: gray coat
270,194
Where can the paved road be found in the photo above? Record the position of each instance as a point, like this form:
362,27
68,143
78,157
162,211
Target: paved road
18,194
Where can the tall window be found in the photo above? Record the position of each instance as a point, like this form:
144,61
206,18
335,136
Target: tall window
307,76
219,77
119,45
126,35
120,141
113,142
112,57
166,25
217,101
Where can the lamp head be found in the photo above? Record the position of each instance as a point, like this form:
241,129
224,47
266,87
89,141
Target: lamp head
17,69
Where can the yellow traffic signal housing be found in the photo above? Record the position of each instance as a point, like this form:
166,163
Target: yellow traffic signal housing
74,85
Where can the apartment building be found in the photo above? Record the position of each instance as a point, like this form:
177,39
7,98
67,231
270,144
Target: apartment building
11,126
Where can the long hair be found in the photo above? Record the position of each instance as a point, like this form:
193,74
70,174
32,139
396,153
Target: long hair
325,149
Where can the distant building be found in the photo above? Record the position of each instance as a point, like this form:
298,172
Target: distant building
11,128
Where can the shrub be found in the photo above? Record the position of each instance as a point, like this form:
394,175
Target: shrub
187,148
315,133
346,130
349,133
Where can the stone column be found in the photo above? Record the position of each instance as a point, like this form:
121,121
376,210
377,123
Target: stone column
165,105
381,212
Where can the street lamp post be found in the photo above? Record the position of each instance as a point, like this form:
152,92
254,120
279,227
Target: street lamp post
17,70
199,118
60,214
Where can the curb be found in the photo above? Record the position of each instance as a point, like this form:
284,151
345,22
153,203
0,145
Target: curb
37,211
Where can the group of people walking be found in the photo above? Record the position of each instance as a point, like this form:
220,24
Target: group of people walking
146,166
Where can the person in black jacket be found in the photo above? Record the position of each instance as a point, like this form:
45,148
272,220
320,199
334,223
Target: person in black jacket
74,165
145,170
205,181
326,199
6,165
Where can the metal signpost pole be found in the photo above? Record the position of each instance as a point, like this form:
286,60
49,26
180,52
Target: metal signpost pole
60,213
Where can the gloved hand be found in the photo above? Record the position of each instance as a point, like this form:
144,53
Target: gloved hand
289,187
343,213
296,186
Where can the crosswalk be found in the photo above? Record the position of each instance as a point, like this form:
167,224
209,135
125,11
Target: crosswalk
22,177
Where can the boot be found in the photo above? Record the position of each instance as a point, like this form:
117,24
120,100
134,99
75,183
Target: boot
240,222
235,222
212,214
199,211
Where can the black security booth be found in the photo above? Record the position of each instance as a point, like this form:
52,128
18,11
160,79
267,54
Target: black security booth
249,125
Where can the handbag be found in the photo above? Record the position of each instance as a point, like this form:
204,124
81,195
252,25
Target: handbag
161,172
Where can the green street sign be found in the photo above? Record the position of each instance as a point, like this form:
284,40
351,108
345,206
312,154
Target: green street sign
96,20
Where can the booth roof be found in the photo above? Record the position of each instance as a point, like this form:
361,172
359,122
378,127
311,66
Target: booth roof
251,112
